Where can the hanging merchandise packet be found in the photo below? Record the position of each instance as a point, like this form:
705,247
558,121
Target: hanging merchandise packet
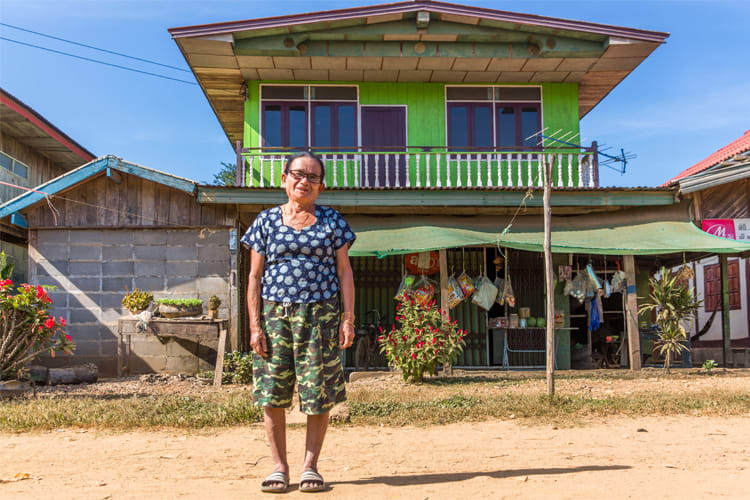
486,293
500,284
508,295
455,295
404,289
424,290
467,286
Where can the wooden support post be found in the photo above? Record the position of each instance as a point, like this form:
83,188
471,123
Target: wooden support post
238,168
631,315
443,260
220,348
549,275
726,334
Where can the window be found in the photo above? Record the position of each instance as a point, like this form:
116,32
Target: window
483,118
295,116
15,166
712,286
285,125
334,126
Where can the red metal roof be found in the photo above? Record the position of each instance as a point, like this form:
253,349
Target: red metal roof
735,147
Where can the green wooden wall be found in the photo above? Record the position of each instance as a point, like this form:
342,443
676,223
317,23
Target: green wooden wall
426,108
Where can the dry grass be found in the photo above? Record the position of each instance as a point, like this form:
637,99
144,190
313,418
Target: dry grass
387,400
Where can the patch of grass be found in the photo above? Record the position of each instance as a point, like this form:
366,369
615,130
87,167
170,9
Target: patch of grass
188,412
395,412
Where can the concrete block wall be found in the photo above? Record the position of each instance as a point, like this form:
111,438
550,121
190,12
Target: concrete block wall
93,269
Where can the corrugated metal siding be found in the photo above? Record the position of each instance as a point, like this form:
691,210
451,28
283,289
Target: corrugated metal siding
377,280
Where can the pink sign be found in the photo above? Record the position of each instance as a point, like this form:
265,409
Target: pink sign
720,227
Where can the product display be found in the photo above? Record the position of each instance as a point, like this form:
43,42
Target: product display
485,294
404,289
424,290
467,286
455,295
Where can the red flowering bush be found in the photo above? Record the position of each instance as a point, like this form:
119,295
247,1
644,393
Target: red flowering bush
27,329
422,341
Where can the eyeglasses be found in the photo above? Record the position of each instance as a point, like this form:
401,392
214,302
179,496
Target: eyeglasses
311,178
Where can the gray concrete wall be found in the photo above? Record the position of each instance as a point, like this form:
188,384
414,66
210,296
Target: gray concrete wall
93,269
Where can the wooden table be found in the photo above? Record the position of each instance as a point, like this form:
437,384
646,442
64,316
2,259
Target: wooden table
190,329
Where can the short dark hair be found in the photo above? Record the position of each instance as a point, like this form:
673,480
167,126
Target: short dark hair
306,154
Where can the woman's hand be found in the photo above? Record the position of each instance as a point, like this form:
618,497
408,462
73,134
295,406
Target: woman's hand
346,334
258,342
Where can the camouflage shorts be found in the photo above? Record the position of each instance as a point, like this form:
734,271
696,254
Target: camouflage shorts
303,345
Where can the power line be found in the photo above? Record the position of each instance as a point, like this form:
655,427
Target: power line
94,48
97,61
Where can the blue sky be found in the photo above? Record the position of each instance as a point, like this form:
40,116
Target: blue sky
689,98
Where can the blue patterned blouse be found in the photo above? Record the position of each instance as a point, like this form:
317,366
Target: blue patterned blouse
300,266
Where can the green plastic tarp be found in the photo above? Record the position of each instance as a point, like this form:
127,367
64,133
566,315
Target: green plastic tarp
636,231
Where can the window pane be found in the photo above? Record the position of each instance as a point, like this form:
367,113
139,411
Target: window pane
322,126
6,161
529,125
347,133
518,93
482,127
334,93
272,125
506,127
20,170
459,127
282,92
468,93
297,127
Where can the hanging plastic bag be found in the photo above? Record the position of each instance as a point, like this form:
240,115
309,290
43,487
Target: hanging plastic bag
467,286
404,289
508,295
568,287
424,290
500,285
455,295
592,276
619,282
579,286
485,294
607,288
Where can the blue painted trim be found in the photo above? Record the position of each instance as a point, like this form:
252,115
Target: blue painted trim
56,185
156,176
631,288
83,172
19,220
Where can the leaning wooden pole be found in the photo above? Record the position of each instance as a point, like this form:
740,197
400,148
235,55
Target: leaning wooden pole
549,275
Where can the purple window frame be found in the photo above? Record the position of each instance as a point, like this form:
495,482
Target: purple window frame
494,106
471,137
518,122
285,105
334,105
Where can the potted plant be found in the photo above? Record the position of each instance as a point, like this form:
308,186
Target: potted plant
213,307
674,305
177,308
137,300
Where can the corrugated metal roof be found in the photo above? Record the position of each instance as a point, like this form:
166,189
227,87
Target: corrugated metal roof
413,6
733,148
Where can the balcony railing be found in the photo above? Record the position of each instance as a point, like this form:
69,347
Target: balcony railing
429,167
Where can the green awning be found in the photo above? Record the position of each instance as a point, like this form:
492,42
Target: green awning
638,231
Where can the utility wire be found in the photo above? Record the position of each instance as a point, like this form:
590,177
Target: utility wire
93,48
97,61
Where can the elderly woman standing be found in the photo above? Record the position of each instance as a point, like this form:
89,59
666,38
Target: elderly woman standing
300,301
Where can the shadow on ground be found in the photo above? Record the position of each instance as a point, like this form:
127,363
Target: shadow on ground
452,477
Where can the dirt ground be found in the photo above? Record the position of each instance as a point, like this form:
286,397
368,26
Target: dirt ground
649,457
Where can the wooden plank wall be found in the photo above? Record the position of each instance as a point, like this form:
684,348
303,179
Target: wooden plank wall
134,202
41,168
729,201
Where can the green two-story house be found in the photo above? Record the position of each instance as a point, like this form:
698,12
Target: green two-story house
420,110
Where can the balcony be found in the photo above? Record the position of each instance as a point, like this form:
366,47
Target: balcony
429,167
